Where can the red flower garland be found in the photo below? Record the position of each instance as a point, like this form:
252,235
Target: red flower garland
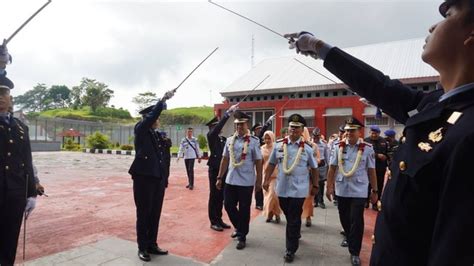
244,154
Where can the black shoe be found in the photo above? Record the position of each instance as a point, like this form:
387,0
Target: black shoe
344,243
143,255
289,256
240,245
315,204
259,207
335,203
234,234
187,186
277,219
157,251
217,227
323,206
191,187
308,223
355,260
224,225
269,220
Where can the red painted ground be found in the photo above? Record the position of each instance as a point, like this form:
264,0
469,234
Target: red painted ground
91,199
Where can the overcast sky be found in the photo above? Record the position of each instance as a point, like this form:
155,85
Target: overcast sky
144,45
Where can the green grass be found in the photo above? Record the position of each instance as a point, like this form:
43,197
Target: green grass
204,112
84,113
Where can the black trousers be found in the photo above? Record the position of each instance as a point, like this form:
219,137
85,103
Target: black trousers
12,206
216,198
259,198
189,163
237,201
148,194
380,172
320,195
351,214
292,208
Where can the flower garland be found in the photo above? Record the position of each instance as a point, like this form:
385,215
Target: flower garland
285,156
244,150
340,162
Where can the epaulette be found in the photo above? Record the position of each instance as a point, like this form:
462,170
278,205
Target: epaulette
279,140
310,144
367,144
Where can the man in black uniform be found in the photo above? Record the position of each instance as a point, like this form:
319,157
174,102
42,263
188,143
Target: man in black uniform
216,147
392,144
17,183
427,205
149,178
381,150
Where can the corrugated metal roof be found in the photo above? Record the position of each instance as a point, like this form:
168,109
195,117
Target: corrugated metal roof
399,60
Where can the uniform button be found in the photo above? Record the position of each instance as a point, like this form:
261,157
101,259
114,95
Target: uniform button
21,137
146,157
402,166
373,239
9,154
11,141
379,206
404,139
7,167
22,165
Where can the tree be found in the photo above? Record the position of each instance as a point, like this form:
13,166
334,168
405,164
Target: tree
59,95
35,100
97,94
145,99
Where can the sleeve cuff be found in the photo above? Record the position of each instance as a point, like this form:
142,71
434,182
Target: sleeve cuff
324,50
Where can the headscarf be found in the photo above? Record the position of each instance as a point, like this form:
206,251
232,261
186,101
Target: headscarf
267,151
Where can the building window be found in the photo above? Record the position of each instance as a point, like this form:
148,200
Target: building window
344,93
426,88
272,97
326,94
251,98
260,117
280,97
318,94
300,95
258,98
371,120
334,93
264,98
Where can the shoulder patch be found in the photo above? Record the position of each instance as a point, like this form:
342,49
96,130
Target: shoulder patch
368,144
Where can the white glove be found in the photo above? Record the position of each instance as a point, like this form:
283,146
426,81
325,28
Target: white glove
305,43
5,57
30,205
232,109
168,95
270,119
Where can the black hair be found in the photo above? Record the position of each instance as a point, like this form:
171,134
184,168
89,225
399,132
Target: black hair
459,3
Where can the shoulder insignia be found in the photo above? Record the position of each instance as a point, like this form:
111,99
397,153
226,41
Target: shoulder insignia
309,143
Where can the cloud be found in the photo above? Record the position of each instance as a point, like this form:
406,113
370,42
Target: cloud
137,46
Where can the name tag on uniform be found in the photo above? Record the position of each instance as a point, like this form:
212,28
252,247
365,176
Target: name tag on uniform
412,112
454,117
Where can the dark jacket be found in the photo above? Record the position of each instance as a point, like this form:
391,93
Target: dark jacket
164,146
148,159
216,143
380,147
428,204
16,165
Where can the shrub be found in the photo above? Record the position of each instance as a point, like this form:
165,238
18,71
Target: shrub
202,140
126,147
70,145
98,141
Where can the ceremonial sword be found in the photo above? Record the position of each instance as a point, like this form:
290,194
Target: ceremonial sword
5,42
175,89
245,97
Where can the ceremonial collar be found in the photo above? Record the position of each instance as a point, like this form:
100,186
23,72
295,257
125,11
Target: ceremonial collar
456,91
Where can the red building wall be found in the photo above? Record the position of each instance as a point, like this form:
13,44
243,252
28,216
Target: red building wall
318,104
